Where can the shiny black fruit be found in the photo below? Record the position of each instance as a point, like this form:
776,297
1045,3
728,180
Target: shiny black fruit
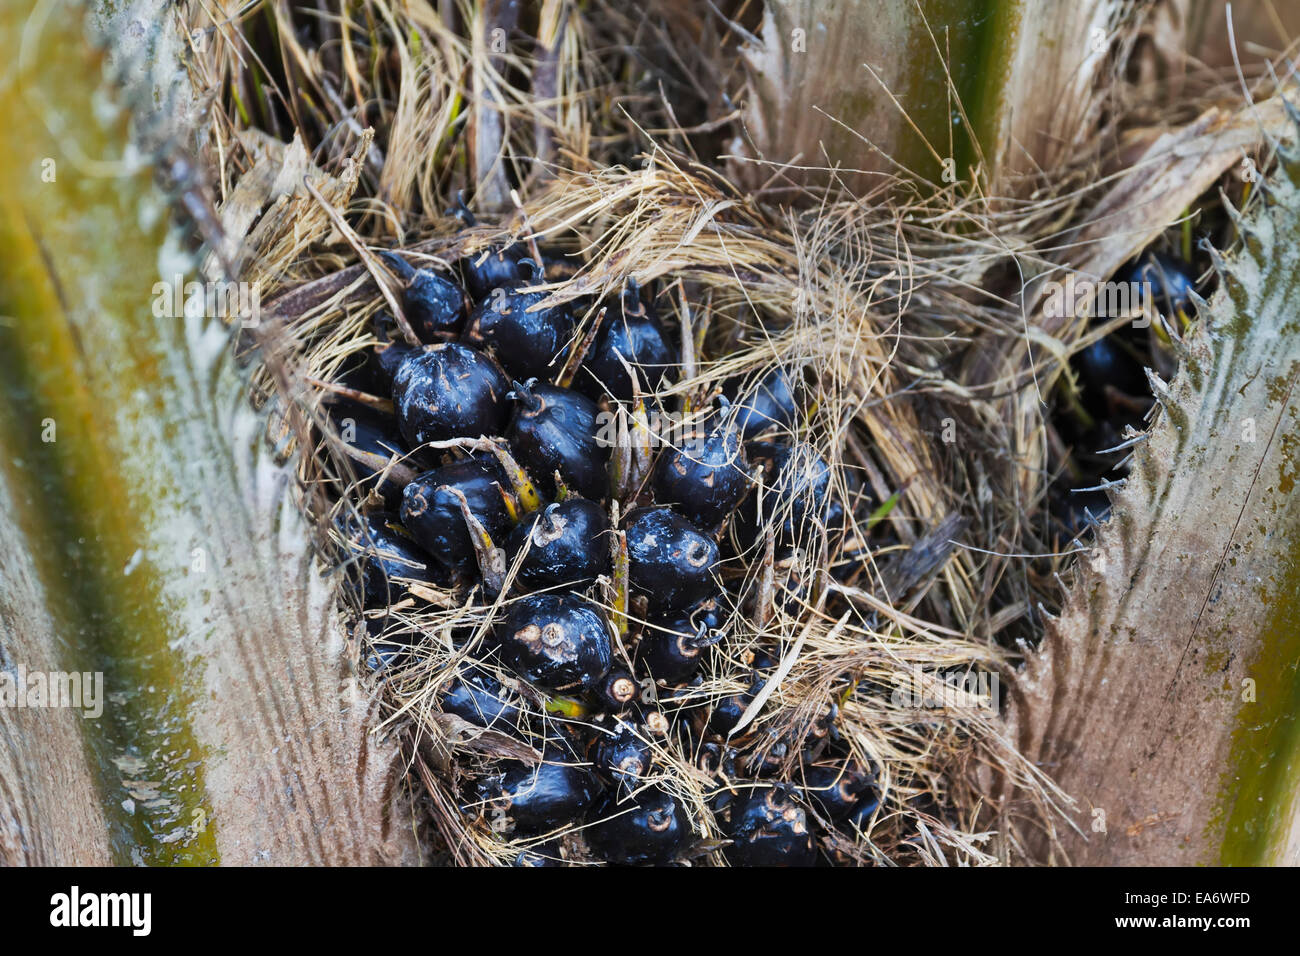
431,510
1171,280
772,404
617,692
497,267
768,827
669,560
528,340
728,711
536,798
838,789
645,828
672,649
795,496
567,544
387,552
555,429
704,480
621,752
558,642
479,698
1106,363
545,854
386,361
630,329
434,305
390,643
449,391
376,435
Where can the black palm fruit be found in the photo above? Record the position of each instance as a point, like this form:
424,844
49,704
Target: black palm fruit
558,642
630,329
497,267
1171,280
556,429
434,305
530,341
449,391
621,752
1107,363
567,544
645,828
544,854
387,553
478,697
671,653
374,434
794,497
673,648
838,788
706,479
727,712
390,643
433,515
537,798
669,560
387,359
769,827
617,692
771,404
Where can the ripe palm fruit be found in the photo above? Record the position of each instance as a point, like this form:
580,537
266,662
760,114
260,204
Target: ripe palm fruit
385,363
768,827
728,711
555,429
388,553
838,788
1106,363
705,480
1170,278
545,854
558,642
617,692
376,436
478,697
497,267
390,642
672,649
536,798
449,391
631,330
771,404
621,753
796,494
567,544
431,510
529,341
669,560
434,305
645,828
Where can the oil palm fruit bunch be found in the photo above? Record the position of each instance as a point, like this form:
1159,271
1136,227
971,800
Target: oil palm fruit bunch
509,494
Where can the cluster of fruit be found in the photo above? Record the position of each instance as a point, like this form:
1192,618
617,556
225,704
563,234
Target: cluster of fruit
511,500
1115,393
